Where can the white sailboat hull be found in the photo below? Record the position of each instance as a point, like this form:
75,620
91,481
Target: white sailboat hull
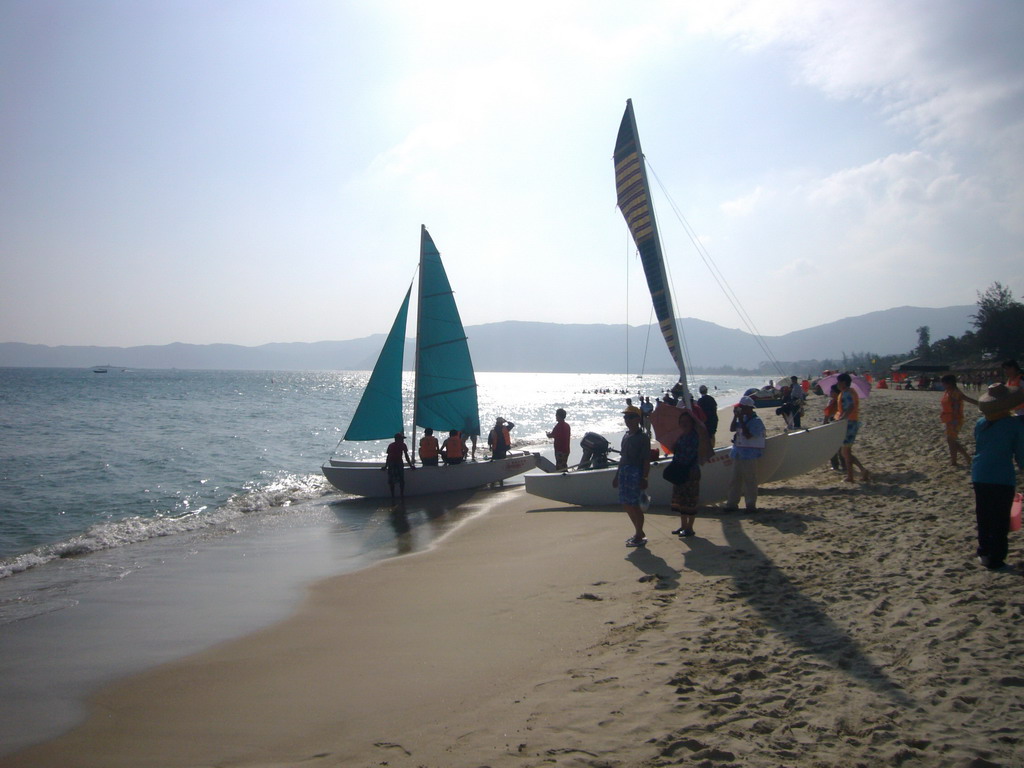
370,479
785,456
809,449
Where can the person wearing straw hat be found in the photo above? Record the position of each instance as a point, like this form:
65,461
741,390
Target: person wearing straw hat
999,440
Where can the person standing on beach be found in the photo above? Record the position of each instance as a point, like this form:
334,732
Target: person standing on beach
394,466
691,449
796,397
849,409
952,416
631,476
709,405
831,409
429,448
999,440
561,433
747,446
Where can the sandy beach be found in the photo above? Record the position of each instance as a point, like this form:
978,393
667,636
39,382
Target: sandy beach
842,625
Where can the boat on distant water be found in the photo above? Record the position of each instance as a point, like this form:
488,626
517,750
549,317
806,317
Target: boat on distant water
101,369
785,455
444,396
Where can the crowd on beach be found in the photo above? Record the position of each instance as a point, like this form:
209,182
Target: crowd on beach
998,439
998,433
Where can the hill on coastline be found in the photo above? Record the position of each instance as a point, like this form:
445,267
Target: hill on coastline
540,347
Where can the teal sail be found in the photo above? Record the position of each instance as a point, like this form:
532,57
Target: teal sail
446,393
634,199
379,414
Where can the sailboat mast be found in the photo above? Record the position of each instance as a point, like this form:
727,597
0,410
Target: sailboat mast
634,199
416,363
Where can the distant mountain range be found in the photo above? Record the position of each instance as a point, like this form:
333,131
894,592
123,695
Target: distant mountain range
540,347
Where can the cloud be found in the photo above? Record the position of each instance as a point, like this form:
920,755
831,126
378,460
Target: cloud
743,206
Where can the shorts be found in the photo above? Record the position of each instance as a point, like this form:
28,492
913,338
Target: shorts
629,484
953,429
852,427
396,474
685,495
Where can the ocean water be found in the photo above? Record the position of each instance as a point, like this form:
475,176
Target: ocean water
148,514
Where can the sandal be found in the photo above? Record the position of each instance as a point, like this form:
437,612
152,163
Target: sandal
679,531
631,542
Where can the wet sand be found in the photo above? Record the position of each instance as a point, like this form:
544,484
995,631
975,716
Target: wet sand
842,625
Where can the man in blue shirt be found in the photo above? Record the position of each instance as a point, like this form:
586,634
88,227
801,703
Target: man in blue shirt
999,440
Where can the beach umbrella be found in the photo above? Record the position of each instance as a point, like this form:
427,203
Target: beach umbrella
859,383
665,421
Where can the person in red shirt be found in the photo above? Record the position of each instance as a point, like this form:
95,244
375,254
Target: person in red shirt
393,464
560,433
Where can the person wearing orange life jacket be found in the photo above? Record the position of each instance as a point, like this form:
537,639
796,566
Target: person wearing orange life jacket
500,438
849,410
952,415
1012,373
429,448
453,450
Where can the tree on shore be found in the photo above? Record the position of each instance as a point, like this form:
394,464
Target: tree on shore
999,321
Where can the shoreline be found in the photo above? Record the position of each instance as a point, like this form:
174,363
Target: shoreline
841,625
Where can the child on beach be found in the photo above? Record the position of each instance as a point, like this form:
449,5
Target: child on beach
631,476
952,416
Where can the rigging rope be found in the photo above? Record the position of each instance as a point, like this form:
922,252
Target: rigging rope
719,278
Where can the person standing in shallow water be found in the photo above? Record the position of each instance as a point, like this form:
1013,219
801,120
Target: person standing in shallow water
394,466
998,441
631,476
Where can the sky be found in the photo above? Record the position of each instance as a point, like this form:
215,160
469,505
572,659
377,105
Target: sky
247,172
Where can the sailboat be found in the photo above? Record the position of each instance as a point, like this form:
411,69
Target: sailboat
444,396
785,455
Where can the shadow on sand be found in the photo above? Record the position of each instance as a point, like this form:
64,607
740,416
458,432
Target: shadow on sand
784,607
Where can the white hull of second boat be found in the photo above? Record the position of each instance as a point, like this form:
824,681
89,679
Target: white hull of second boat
594,487
809,449
785,456
371,480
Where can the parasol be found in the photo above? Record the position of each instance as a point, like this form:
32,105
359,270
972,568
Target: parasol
665,421
859,383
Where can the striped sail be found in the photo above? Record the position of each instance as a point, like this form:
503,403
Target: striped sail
446,393
379,413
634,199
